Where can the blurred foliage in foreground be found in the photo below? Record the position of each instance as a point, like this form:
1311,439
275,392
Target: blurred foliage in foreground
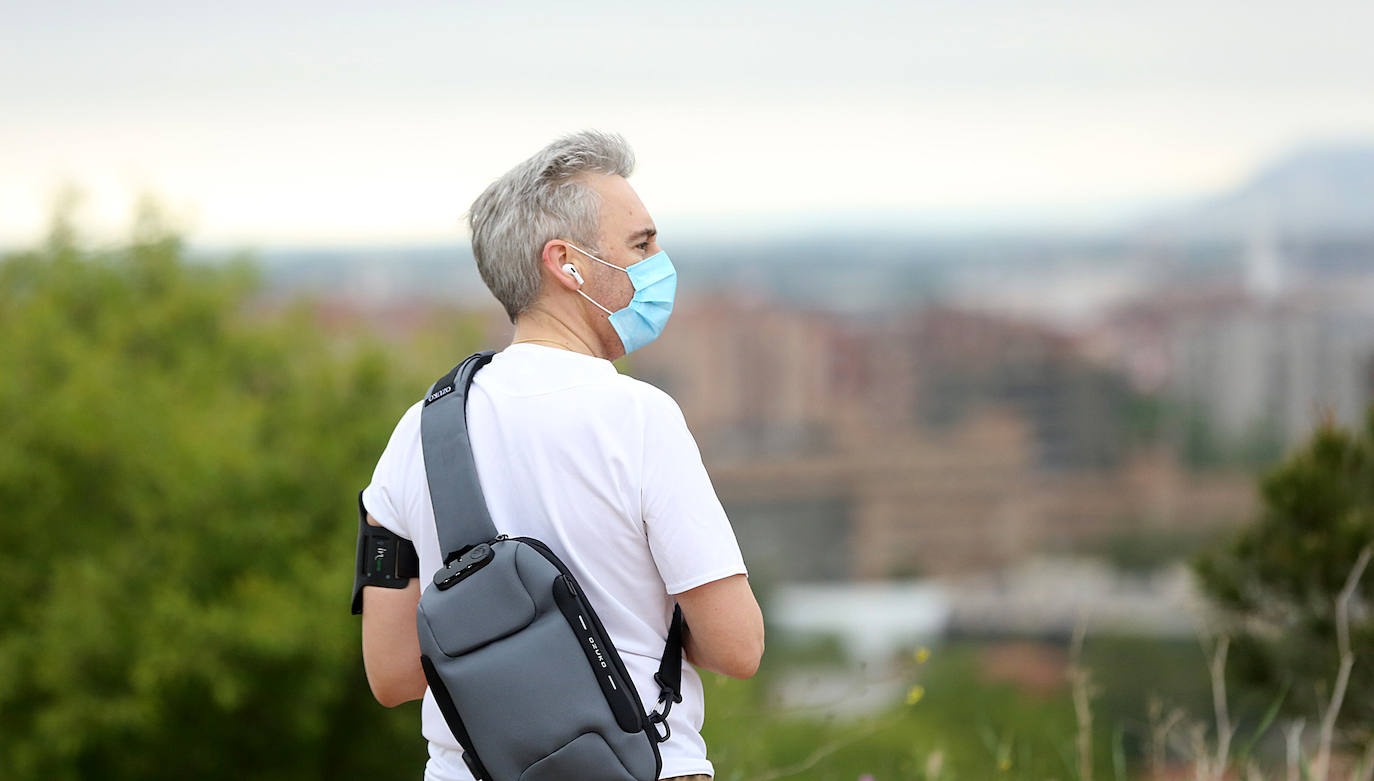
959,721
1279,578
178,480
953,726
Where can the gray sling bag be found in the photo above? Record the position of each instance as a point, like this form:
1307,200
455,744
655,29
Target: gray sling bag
522,669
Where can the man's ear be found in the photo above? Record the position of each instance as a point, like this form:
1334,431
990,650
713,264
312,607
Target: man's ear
554,257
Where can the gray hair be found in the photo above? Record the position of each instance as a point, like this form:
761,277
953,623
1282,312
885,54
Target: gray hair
542,198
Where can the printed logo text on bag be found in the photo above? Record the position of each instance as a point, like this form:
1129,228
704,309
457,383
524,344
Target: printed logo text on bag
435,396
592,642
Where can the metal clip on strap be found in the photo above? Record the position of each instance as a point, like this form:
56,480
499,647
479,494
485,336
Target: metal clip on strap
655,719
669,678
666,698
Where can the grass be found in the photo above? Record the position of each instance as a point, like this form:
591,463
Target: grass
1128,708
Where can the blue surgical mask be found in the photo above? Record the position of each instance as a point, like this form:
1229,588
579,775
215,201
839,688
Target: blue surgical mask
655,284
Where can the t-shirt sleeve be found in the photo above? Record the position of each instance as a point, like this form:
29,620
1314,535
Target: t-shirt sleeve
689,534
385,497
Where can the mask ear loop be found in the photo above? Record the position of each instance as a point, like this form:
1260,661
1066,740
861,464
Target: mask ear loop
593,300
595,258
602,262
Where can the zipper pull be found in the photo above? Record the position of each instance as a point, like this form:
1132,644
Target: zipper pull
500,537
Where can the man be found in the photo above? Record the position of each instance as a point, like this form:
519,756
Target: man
599,466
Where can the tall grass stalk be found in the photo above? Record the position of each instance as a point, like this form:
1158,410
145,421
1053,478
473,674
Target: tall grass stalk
1080,680
1322,765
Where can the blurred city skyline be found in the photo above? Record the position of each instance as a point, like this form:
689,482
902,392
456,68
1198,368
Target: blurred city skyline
305,124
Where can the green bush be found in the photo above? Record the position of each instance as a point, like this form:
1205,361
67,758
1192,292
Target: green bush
177,478
1279,576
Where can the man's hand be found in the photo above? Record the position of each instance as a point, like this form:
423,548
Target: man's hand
725,627
391,646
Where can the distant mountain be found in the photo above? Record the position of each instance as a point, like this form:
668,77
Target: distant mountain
1321,191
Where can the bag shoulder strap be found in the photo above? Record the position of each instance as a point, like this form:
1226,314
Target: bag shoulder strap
460,510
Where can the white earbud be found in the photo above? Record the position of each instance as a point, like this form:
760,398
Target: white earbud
571,270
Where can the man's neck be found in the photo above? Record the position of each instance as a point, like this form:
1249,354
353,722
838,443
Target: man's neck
538,325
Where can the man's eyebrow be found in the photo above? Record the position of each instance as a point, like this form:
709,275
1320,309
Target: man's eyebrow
646,233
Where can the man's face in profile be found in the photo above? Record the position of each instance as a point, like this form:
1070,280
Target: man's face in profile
626,236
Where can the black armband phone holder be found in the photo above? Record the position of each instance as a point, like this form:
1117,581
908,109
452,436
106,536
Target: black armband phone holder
384,558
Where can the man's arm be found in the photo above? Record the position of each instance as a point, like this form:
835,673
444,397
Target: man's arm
391,646
725,627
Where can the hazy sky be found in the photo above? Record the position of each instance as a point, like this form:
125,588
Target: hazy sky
339,122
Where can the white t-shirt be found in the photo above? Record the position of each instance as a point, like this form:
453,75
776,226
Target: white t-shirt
601,468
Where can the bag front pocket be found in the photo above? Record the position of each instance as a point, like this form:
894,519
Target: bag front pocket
466,618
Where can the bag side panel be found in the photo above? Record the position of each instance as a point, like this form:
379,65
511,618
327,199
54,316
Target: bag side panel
620,696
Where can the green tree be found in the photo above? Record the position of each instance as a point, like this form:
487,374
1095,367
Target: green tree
1279,577
177,482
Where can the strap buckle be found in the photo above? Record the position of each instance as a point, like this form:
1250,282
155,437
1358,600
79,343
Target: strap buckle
666,697
664,692
660,718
